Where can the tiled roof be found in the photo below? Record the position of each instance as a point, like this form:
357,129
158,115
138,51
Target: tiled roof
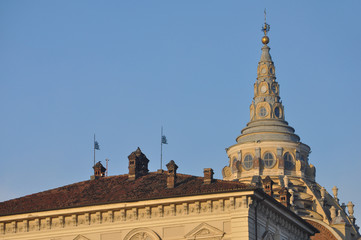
324,233
116,189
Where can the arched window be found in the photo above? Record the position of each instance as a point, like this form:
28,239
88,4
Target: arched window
289,164
268,160
248,162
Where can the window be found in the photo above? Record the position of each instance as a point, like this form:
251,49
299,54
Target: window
262,112
248,162
277,112
289,164
268,160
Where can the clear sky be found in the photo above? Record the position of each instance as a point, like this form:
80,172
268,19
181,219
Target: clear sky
121,69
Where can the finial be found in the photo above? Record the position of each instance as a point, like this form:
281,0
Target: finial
350,206
265,29
333,212
335,192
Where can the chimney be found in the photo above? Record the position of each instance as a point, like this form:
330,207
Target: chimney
172,174
284,197
208,175
138,164
268,186
99,171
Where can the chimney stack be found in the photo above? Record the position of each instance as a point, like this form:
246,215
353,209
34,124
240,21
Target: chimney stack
284,197
99,171
172,174
268,186
138,164
208,175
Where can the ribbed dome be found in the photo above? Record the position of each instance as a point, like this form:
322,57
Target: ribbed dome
268,129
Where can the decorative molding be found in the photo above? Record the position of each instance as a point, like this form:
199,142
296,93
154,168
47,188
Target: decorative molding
160,210
81,237
110,216
98,217
145,212
142,234
204,231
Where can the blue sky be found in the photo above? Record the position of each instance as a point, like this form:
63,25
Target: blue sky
121,69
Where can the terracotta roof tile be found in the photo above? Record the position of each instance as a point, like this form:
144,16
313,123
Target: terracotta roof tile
116,189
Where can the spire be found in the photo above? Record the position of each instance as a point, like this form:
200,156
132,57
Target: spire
266,102
267,118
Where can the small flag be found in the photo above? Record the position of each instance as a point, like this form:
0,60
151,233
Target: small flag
164,140
96,145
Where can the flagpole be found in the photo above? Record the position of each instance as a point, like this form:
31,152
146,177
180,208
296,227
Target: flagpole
94,149
161,147
106,173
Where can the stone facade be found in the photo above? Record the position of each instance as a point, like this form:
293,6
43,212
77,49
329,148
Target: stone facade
230,215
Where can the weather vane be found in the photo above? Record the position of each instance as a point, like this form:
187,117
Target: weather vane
265,29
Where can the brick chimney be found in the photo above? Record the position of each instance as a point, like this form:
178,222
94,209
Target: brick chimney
99,171
208,175
138,164
172,174
284,197
268,186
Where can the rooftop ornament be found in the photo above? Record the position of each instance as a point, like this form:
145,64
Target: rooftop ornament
265,30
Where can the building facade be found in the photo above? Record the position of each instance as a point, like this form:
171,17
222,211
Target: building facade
150,206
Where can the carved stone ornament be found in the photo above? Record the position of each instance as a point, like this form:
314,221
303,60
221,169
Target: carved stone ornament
81,237
141,234
204,231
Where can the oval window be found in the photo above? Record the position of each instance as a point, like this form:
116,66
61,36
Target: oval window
268,160
248,162
277,112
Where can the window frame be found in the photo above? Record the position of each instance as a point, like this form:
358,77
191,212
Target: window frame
244,159
273,160
289,160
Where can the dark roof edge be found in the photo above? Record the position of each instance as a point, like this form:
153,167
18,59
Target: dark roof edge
289,211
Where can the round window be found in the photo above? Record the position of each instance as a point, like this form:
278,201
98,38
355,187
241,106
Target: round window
268,160
262,112
248,162
277,112
289,164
